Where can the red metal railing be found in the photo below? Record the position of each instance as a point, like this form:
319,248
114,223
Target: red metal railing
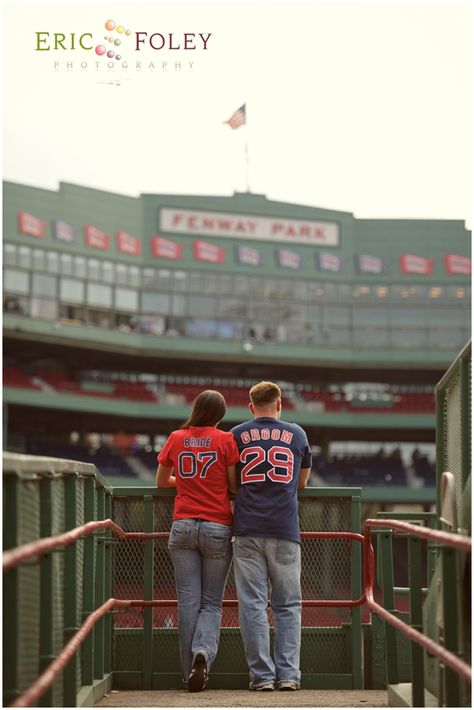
13,558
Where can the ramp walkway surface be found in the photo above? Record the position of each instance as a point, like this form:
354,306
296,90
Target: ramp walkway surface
244,698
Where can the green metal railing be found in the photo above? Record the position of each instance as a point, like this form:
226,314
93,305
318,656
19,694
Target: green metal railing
48,598
45,601
453,426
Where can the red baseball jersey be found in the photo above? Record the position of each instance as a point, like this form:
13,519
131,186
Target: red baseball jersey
200,457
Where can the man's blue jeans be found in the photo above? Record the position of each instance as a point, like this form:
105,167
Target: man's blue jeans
262,564
201,554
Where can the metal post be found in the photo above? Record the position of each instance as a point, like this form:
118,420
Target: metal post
70,591
389,604
440,445
100,589
356,589
89,582
46,648
108,588
451,684
11,628
148,594
416,621
465,420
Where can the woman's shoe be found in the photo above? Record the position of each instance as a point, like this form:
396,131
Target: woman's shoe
198,677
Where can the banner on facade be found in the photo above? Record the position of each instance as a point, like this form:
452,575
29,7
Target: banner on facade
162,248
367,264
328,262
128,244
457,264
288,259
63,231
95,237
29,224
204,251
248,255
412,264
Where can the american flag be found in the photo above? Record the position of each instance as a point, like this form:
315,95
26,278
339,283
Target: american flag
238,118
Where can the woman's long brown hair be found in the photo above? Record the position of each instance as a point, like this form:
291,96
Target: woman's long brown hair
208,409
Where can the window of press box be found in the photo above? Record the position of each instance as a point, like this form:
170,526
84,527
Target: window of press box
52,262
180,280
202,306
71,290
211,283
448,317
369,316
17,305
334,315
232,308
79,266
9,254
98,317
263,310
179,304
66,265
99,295
405,339
164,280
43,308
153,302
126,299
72,312
406,317
149,277
108,272
24,257
39,260
43,285
16,281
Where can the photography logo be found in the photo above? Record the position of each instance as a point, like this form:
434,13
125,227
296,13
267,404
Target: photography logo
85,53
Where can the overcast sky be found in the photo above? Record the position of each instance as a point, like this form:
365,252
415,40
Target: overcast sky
356,107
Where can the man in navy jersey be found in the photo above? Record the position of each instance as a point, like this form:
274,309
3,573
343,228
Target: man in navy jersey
275,460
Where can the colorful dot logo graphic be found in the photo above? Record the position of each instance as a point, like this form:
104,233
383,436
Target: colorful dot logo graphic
121,30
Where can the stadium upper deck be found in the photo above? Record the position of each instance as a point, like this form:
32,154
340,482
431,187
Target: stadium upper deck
240,278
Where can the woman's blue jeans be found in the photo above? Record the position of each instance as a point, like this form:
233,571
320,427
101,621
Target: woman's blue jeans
201,554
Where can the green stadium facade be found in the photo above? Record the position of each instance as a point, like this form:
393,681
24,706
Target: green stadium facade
238,287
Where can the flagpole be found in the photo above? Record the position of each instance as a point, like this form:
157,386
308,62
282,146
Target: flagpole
247,171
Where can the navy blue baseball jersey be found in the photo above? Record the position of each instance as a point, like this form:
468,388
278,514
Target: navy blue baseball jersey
271,455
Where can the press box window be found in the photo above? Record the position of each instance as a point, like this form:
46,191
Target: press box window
155,302
126,299
44,285
15,281
71,291
99,295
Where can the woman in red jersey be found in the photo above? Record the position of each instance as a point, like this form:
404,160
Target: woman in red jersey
198,460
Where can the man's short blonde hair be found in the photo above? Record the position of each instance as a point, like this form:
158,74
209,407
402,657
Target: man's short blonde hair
264,393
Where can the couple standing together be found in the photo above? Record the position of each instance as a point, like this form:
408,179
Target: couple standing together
263,461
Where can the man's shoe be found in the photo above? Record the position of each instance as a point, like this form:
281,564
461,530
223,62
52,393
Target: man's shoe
288,685
198,677
266,687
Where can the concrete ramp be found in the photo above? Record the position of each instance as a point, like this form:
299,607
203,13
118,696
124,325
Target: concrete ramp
244,698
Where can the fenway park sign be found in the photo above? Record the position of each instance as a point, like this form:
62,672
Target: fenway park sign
215,224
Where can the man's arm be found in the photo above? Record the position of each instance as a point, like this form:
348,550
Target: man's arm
303,477
232,481
164,479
